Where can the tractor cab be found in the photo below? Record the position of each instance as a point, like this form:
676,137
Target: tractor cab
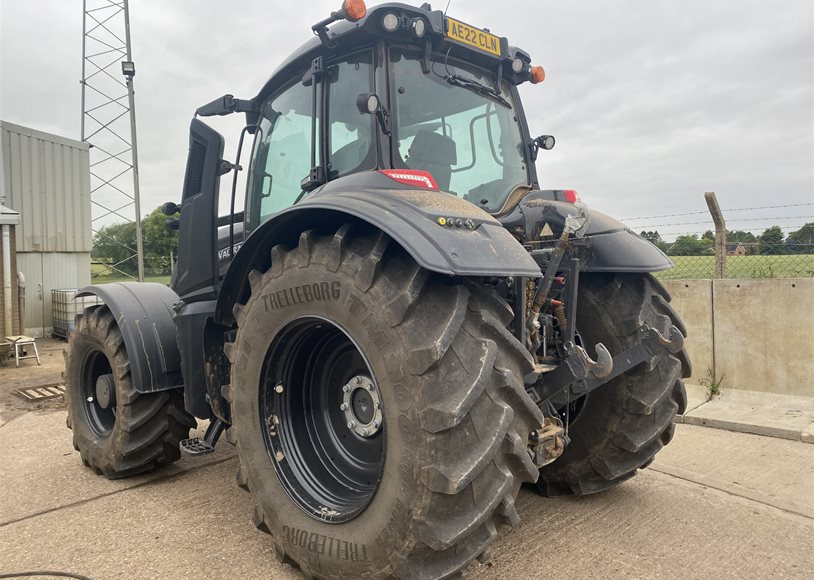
426,99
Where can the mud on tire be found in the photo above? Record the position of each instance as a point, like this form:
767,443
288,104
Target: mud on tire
135,432
455,414
621,426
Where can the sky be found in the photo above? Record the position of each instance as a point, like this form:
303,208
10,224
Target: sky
652,102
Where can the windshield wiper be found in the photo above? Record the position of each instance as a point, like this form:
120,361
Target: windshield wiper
476,87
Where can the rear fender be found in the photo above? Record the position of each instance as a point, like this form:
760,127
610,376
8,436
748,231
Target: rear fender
144,315
413,218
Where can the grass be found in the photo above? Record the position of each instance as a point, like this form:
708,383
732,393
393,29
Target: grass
101,275
785,266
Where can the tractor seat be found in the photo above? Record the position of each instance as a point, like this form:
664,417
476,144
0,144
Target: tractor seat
435,153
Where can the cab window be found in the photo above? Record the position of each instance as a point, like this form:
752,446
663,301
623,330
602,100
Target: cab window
350,132
282,156
282,153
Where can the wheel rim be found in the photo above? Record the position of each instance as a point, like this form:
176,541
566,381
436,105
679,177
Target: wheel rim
98,393
322,419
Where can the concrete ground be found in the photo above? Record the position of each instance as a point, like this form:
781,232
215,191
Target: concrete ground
715,504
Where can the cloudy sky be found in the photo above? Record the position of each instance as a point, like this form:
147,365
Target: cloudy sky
653,102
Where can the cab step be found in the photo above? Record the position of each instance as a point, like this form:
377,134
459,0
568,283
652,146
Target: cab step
196,446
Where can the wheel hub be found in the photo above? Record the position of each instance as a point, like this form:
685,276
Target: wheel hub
362,406
105,391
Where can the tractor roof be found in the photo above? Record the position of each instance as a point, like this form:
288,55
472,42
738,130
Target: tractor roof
345,36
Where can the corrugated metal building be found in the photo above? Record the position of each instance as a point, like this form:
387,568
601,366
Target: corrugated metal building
47,180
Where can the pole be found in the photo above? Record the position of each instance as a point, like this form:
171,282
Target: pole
8,319
720,234
82,82
134,147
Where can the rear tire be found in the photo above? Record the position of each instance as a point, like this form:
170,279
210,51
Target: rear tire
620,426
122,432
455,423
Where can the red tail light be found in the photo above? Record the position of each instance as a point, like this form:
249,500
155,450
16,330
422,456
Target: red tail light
414,177
570,195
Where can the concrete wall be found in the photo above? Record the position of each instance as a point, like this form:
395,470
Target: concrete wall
756,334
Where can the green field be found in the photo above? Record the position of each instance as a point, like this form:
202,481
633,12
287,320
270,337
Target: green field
101,275
785,266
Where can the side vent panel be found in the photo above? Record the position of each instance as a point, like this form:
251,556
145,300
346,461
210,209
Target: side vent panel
197,272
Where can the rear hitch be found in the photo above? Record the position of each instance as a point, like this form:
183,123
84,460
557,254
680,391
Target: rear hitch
578,374
547,443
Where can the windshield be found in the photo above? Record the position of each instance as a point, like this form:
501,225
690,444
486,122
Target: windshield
448,123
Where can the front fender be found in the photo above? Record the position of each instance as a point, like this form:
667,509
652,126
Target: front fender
409,216
144,315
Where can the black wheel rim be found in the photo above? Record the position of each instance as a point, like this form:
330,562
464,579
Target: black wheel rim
322,421
100,412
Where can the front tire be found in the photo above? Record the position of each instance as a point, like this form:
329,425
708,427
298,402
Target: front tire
618,428
118,431
455,416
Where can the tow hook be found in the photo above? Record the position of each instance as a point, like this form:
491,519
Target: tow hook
578,375
547,443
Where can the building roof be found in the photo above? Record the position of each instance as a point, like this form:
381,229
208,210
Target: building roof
8,217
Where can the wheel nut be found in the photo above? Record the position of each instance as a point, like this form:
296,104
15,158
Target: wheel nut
279,388
344,406
376,424
366,432
345,389
351,424
370,387
358,380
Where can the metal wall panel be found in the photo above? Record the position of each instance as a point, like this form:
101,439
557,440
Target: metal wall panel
47,180
46,271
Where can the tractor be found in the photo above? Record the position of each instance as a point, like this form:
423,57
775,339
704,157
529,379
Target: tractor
399,328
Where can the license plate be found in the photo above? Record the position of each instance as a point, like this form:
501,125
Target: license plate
472,36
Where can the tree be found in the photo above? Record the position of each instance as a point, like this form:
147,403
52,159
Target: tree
159,241
116,243
655,238
690,245
802,240
771,241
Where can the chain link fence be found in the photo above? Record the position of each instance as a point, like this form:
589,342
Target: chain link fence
755,242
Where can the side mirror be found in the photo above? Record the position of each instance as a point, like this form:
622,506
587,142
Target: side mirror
173,224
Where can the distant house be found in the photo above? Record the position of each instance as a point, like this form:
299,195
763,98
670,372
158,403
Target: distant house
735,249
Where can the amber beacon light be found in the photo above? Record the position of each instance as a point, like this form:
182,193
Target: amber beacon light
537,74
354,10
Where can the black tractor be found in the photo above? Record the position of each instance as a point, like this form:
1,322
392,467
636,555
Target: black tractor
400,328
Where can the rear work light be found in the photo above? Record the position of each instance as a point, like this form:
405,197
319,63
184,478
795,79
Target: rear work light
570,196
414,177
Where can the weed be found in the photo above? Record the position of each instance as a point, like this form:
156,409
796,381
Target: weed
713,384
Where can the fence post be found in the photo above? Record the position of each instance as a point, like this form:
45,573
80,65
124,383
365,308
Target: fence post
720,234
